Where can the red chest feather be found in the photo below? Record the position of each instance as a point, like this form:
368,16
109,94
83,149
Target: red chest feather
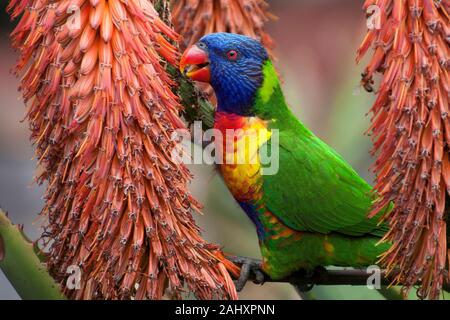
238,140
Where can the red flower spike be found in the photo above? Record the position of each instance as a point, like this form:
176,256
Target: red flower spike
101,114
411,135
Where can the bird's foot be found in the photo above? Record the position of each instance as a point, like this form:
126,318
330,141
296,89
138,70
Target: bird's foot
251,269
312,276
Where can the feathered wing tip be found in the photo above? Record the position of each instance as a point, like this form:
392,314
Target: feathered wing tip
411,134
102,113
195,18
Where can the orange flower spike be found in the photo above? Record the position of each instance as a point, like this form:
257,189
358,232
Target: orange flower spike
410,124
101,113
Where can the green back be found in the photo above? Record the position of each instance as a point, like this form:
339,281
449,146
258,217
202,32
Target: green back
315,189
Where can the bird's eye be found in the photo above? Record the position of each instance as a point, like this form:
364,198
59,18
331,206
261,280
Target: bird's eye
201,45
232,55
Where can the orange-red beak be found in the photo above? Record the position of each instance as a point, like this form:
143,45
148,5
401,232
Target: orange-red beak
195,64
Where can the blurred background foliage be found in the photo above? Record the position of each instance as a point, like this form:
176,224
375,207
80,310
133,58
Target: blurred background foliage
316,43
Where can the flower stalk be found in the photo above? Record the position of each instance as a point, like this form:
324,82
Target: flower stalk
102,115
22,267
411,135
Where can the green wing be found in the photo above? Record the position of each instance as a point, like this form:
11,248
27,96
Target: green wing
316,190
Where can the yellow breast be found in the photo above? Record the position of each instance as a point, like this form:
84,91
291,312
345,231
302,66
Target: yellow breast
241,165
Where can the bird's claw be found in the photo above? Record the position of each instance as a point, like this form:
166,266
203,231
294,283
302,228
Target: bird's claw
312,274
248,266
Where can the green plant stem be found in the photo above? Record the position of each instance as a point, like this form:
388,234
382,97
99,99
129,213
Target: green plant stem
196,105
22,267
393,293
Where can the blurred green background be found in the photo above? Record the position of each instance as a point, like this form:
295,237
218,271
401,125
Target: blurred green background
316,44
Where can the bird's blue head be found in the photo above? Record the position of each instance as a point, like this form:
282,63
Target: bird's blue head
232,64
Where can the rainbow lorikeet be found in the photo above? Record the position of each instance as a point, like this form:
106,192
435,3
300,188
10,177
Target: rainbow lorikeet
314,210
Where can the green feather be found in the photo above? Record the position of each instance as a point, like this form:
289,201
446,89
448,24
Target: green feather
315,191
321,192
